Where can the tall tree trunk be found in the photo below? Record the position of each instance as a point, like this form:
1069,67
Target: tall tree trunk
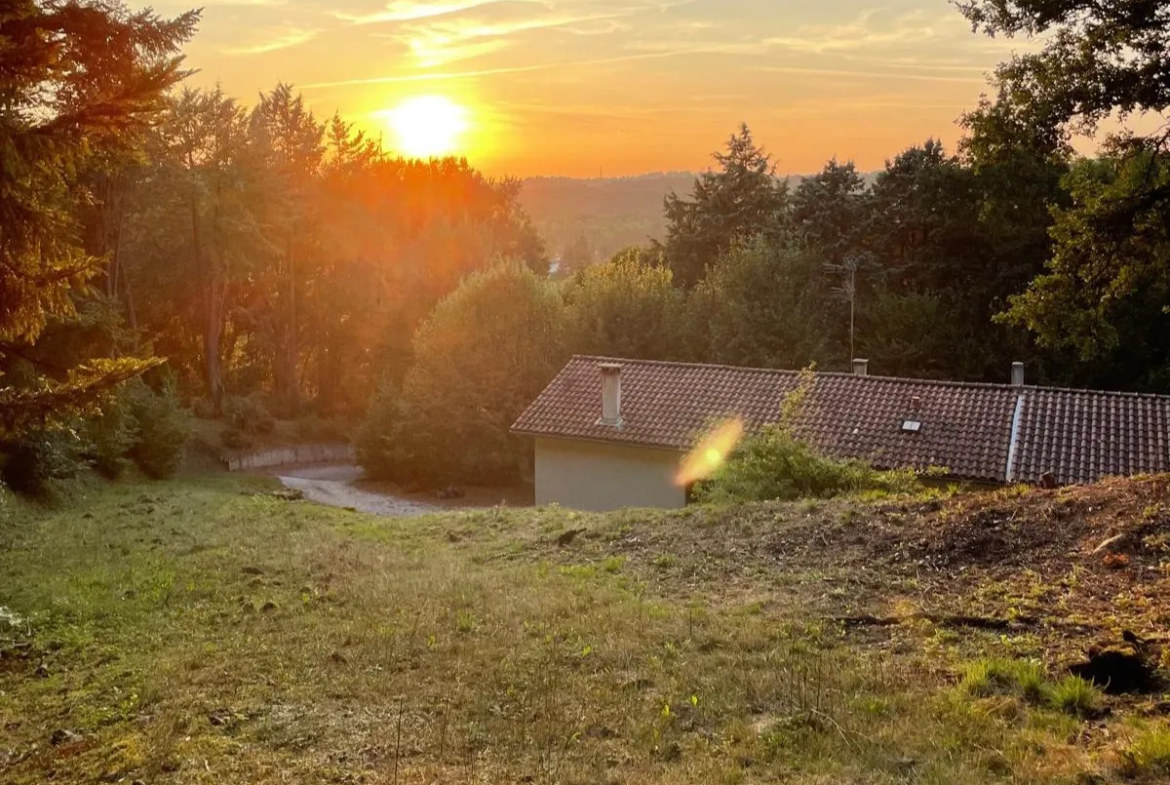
291,351
211,324
213,313
212,336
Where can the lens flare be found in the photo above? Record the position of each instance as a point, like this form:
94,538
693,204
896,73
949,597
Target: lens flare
710,452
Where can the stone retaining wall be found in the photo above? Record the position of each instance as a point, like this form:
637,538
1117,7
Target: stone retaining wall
289,456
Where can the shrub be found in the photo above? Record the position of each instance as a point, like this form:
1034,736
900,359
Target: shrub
32,461
163,429
248,414
480,358
235,439
203,408
775,464
109,437
1074,695
314,429
381,448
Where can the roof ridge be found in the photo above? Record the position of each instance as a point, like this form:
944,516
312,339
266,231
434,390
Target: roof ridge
874,377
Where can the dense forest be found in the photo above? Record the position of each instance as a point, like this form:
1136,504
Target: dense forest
166,249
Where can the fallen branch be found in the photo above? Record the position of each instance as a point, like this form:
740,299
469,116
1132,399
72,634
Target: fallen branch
942,620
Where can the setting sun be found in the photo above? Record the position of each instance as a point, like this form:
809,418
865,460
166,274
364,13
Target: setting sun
427,126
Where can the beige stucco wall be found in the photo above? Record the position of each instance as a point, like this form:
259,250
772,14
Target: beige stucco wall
595,476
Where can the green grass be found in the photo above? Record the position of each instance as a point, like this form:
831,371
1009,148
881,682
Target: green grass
1027,678
1149,754
1077,696
206,632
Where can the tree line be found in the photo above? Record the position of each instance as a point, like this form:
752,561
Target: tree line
261,255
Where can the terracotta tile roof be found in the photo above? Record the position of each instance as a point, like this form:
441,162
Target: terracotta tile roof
966,428
1084,435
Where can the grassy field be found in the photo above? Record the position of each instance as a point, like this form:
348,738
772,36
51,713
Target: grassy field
204,631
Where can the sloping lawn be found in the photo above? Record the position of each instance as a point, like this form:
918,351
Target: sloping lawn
204,631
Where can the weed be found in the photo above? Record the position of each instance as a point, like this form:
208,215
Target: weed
465,622
664,561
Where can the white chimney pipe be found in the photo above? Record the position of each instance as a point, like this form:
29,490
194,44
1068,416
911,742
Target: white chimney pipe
860,367
1017,374
611,393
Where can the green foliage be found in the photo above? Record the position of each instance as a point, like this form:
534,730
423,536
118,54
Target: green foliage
828,211
1107,285
65,105
111,436
763,305
626,307
775,463
740,200
32,461
247,413
163,428
1104,294
480,359
235,439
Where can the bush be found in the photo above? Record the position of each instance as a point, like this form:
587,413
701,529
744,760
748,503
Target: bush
235,439
163,429
314,429
110,437
480,358
627,307
32,461
248,414
775,464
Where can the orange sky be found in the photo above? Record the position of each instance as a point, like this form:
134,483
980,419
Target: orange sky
582,87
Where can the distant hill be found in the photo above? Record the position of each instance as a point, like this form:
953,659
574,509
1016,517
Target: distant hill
611,212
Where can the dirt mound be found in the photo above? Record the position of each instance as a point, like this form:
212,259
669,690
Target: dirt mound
1126,519
1075,567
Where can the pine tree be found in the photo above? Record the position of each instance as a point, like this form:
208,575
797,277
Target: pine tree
75,78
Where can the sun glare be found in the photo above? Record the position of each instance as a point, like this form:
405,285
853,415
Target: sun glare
710,453
428,126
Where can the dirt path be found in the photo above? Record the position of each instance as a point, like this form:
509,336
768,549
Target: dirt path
334,486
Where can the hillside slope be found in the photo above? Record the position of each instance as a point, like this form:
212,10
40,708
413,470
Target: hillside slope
210,631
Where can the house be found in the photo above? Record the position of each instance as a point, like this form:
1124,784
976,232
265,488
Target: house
610,433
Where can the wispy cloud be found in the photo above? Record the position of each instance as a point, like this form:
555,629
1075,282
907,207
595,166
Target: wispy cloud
438,51
273,39
467,29
411,10
184,5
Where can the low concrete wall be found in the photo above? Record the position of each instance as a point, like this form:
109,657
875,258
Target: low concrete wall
289,456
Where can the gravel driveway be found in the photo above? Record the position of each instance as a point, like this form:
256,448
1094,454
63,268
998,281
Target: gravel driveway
334,485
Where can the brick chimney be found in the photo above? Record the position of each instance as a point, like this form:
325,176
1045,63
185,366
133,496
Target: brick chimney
611,393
